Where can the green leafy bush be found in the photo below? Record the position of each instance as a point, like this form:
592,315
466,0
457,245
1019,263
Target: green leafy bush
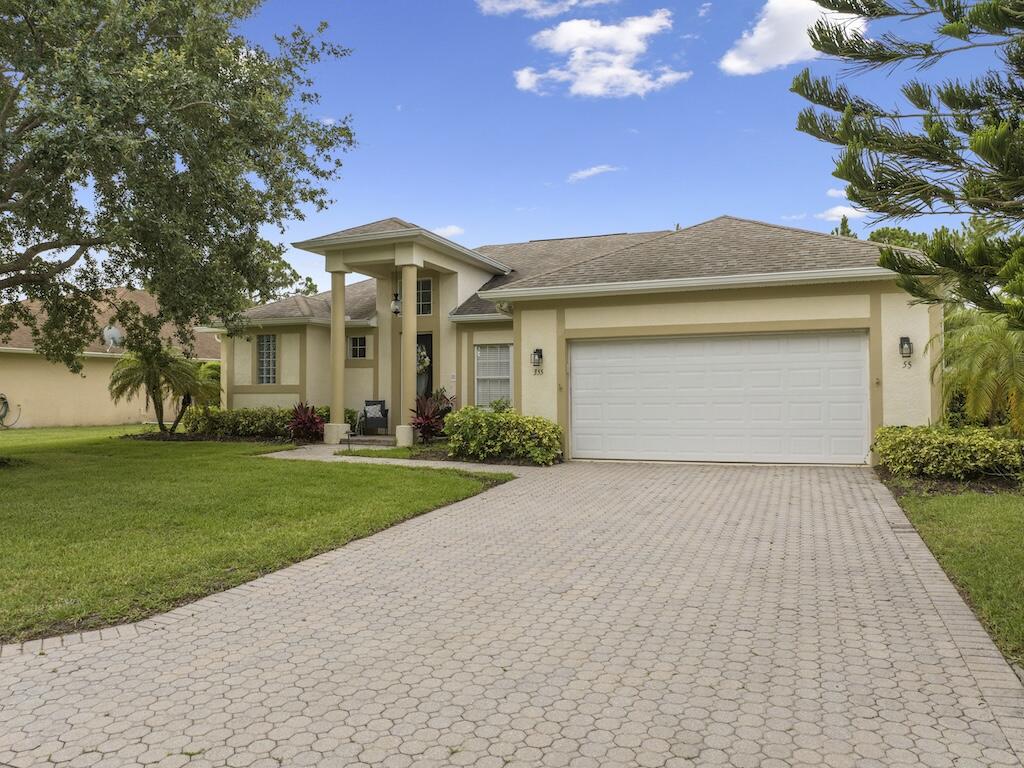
255,423
481,435
948,453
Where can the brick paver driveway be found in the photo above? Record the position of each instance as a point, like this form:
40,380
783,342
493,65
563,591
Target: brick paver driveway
590,615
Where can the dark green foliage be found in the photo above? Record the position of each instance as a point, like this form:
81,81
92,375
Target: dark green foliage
844,229
946,453
148,144
475,434
899,237
255,423
955,146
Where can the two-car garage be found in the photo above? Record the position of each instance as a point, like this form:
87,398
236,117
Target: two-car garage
798,398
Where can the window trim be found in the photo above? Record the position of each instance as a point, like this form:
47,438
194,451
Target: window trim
258,361
352,348
476,374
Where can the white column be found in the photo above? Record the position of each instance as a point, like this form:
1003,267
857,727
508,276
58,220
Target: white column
338,429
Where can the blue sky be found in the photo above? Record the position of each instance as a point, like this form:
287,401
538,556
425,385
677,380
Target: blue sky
472,116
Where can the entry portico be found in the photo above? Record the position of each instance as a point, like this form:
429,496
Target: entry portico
398,255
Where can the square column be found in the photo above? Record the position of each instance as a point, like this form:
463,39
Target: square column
338,429
404,433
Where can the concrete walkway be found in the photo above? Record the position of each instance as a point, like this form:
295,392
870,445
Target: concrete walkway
587,615
328,453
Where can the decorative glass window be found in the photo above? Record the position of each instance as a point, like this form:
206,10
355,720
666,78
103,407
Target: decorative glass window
357,347
424,296
493,373
266,359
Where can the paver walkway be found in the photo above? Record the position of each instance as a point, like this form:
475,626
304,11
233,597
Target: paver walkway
587,615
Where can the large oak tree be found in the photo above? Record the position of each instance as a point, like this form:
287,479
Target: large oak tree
147,143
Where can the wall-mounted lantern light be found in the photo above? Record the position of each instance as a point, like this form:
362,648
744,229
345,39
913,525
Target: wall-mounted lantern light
906,347
537,358
396,305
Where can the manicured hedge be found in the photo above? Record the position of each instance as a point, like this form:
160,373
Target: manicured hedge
947,452
256,423
476,434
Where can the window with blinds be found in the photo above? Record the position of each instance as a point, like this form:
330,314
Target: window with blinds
266,359
493,373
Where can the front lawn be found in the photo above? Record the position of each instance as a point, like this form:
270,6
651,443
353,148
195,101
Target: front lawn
99,530
978,538
433,452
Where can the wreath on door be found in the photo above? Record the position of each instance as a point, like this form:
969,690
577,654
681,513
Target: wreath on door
422,359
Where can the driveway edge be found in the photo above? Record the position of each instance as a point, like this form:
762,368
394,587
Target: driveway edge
1000,687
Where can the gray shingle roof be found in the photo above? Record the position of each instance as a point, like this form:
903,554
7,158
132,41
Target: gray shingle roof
542,256
392,224
725,246
360,304
721,247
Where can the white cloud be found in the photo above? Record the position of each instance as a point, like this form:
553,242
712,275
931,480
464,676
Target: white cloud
588,173
704,10
450,231
836,213
837,193
795,217
601,59
538,9
779,37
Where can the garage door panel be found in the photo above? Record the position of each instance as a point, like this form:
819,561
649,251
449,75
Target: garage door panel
773,398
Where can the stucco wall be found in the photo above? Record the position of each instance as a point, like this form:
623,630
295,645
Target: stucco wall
254,400
907,391
50,396
718,310
537,393
318,365
358,387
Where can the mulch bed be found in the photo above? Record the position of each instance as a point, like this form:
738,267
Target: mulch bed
924,486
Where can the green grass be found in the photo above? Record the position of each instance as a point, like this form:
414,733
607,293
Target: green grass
416,452
99,530
978,538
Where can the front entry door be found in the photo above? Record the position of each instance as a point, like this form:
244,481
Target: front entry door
425,380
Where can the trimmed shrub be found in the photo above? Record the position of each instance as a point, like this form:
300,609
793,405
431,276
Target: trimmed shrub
476,434
253,423
947,453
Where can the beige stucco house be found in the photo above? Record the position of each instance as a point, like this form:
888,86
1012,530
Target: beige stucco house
731,340
45,394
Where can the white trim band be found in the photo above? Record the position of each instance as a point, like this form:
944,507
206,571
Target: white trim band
843,275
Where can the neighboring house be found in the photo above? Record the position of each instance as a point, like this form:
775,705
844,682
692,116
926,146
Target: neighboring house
731,340
49,395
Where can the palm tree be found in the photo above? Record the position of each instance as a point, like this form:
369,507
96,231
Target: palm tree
163,374
982,362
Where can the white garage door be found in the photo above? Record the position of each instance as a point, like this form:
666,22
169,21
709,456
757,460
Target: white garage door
800,398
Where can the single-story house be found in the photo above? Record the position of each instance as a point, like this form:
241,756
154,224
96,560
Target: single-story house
45,394
731,340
